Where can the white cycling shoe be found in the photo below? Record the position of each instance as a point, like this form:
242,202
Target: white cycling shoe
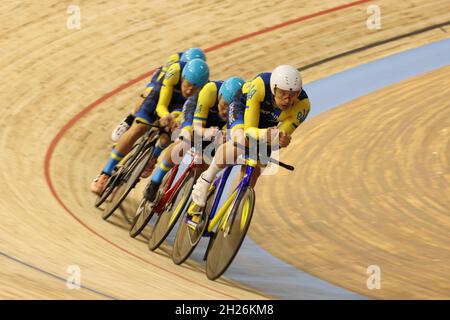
120,130
200,191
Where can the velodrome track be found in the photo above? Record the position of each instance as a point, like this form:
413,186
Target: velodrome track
51,153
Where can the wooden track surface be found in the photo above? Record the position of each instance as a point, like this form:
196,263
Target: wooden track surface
50,73
372,188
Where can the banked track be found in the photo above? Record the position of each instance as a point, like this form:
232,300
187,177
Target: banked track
52,73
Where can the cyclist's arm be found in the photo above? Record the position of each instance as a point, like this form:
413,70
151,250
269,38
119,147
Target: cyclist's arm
170,80
170,61
235,121
206,99
298,114
255,96
187,115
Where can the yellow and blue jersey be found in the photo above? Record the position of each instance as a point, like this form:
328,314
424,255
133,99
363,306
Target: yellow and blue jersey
261,112
165,98
160,72
203,109
187,114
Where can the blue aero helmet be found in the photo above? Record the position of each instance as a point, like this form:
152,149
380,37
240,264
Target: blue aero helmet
196,72
230,88
193,53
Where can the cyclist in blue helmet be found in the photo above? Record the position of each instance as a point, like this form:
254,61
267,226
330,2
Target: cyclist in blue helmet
193,53
158,76
231,89
164,103
196,73
216,107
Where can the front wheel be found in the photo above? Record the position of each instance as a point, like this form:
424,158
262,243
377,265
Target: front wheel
143,215
166,221
145,212
228,238
115,178
129,181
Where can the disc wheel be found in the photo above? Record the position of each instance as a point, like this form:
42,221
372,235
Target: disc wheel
229,237
186,239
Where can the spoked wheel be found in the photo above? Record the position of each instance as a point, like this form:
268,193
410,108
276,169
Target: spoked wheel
115,178
129,181
187,239
144,212
143,215
167,220
109,188
229,237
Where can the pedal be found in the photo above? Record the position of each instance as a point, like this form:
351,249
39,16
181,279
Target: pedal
191,224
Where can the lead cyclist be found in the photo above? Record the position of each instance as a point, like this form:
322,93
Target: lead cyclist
275,105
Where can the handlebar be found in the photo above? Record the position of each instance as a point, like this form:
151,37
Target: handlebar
266,158
201,138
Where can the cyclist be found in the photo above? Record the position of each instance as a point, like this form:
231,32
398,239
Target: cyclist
157,77
275,106
203,116
164,102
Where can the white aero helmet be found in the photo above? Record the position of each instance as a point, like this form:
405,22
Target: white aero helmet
286,78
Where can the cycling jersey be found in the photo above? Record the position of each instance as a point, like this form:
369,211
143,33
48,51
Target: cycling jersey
203,109
261,112
160,72
165,97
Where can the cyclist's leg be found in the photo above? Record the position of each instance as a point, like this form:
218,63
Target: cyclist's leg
226,155
171,156
161,144
119,151
128,121
144,117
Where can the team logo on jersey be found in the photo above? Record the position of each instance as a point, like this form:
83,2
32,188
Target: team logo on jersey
301,116
169,75
251,92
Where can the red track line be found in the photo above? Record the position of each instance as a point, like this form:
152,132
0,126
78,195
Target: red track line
89,108
284,24
48,179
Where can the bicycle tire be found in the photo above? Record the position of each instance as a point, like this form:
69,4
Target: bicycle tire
144,214
140,222
114,179
226,246
166,221
183,245
126,186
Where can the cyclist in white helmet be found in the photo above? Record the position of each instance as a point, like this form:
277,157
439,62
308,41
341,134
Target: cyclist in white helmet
275,106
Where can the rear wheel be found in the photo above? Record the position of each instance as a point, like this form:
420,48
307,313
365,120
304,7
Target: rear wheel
228,238
167,220
129,181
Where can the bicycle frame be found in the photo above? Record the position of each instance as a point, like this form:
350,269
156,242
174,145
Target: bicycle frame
228,206
169,192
